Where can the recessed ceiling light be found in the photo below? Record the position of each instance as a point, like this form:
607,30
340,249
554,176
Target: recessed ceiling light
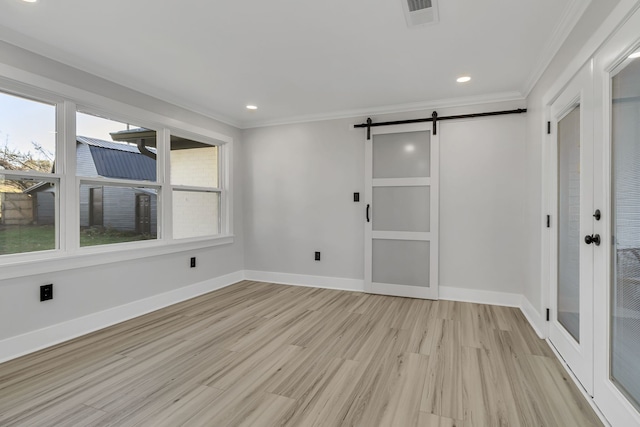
463,79
635,55
252,107
29,1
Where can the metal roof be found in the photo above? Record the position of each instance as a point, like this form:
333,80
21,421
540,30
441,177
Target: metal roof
116,160
110,144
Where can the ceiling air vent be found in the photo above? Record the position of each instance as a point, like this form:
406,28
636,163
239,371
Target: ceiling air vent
420,12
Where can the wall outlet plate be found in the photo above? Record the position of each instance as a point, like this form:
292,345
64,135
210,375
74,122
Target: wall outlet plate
46,292
317,256
193,262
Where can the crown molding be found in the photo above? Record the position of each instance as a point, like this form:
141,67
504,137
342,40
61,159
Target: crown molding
569,19
389,109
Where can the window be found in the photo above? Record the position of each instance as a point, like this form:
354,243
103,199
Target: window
195,184
28,182
119,181
117,166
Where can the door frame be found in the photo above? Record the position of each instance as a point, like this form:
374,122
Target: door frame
579,356
432,292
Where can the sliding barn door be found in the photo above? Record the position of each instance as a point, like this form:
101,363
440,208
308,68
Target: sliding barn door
401,196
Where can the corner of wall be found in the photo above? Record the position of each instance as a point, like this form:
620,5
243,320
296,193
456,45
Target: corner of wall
534,317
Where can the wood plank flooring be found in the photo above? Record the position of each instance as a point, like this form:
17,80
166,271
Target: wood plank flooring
258,354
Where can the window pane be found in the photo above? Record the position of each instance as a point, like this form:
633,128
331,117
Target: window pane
27,134
195,214
27,216
569,238
625,292
111,149
193,163
116,214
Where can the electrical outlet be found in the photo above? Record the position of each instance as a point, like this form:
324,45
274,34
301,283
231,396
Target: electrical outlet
46,292
193,262
356,197
317,256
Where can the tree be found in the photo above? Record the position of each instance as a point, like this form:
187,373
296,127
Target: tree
39,160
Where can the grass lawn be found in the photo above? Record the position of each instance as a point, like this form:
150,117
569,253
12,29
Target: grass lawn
31,238
27,238
104,236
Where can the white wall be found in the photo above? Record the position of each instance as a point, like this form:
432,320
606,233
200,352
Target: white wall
482,242
299,184
82,291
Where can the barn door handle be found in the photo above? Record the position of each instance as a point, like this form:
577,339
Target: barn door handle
368,206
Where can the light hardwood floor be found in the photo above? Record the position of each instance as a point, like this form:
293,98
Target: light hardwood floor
257,354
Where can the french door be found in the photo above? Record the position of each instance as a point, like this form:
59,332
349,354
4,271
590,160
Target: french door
401,196
572,224
617,267
594,250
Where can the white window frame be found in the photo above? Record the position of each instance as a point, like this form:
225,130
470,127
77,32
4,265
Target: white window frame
28,94
69,254
221,189
157,185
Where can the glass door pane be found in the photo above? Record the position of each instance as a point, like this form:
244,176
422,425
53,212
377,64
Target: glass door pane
569,222
401,208
401,262
402,155
625,292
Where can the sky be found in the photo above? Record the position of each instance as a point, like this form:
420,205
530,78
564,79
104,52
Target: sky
24,121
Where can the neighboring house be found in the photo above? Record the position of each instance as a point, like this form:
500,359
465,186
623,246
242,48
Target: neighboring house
120,208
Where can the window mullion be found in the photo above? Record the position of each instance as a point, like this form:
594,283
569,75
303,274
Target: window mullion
165,213
69,188
225,159
119,182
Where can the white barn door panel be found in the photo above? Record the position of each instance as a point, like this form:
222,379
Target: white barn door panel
401,196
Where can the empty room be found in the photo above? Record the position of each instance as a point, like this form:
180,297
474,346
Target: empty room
333,213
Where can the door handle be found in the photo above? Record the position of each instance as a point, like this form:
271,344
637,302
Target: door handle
368,206
594,238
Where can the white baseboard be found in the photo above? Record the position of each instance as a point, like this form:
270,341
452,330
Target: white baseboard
575,380
480,297
20,345
17,346
534,317
339,283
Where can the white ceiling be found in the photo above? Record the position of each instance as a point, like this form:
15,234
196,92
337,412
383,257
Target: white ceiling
298,59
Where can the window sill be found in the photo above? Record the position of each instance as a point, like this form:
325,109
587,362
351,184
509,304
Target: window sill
48,262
